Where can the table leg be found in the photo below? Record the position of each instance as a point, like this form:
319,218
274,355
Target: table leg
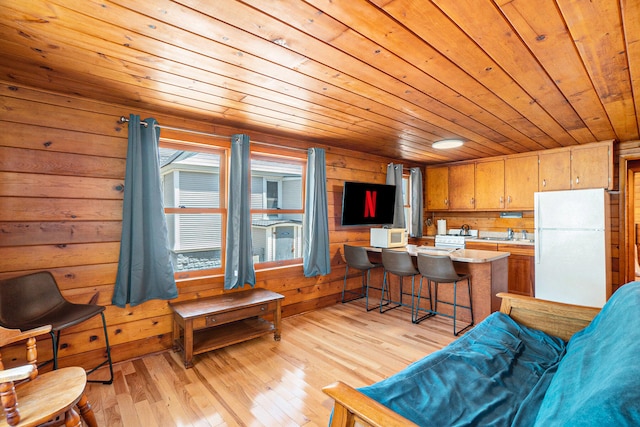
188,344
175,336
277,317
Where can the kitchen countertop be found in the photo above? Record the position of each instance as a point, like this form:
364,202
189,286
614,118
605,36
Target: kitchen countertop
474,256
498,241
489,272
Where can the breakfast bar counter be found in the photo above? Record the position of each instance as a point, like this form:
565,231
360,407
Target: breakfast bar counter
489,274
475,256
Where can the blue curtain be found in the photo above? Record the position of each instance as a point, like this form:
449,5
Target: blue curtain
394,177
315,227
417,203
145,270
239,256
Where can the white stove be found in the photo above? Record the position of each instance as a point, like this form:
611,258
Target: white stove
450,241
453,239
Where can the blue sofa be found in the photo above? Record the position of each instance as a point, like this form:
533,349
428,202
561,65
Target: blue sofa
512,370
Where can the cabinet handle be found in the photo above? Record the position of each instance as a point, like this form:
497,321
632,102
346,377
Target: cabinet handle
508,199
473,202
446,201
577,180
544,182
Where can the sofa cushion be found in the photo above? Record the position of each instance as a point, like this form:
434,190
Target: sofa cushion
598,380
480,379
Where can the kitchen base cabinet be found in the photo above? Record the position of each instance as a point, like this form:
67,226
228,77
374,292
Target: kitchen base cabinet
521,269
483,246
521,277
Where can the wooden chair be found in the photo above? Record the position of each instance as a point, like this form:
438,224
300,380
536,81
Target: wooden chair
49,399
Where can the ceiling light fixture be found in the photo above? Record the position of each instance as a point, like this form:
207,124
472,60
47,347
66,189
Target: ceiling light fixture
447,143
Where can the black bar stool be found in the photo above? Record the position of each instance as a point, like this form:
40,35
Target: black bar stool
439,269
399,263
356,257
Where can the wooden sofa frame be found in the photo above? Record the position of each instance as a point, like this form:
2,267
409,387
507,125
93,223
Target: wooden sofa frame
352,408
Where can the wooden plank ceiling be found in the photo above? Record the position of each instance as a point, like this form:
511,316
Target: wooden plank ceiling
381,76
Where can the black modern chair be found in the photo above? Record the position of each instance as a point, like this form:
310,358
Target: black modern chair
399,263
439,269
356,257
34,300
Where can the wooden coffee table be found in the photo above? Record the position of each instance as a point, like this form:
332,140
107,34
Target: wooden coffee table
206,324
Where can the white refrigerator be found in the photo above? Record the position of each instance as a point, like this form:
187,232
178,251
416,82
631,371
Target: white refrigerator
572,246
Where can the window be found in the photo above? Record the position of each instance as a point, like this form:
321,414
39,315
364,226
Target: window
406,201
194,181
276,209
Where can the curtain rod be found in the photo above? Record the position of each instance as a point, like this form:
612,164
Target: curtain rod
123,119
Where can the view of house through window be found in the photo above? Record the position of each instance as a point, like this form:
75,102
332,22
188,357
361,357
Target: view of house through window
276,208
194,185
196,218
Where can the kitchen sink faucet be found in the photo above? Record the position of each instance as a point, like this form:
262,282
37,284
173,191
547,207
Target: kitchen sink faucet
509,233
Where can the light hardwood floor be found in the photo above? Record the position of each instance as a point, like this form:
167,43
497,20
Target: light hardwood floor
263,382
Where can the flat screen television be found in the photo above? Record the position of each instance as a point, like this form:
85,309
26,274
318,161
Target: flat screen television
367,203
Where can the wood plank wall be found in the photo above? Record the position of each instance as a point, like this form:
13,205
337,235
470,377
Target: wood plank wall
62,163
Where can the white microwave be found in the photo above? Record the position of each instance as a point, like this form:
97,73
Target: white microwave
388,237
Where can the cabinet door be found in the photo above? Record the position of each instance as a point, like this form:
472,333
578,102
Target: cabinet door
521,269
461,187
521,275
482,246
590,167
490,185
554,170
520,182
437,188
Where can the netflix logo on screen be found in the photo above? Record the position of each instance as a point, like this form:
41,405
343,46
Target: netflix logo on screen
367,203
370,203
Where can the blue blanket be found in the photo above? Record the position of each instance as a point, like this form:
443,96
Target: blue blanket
494,374
598,380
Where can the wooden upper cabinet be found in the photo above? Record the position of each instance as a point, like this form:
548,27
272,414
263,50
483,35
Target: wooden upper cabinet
554,170
509,182
520,181
461,187
489,185
576,167
437,188
591,166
